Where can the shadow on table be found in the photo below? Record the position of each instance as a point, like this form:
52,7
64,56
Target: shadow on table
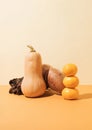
86,96
50,92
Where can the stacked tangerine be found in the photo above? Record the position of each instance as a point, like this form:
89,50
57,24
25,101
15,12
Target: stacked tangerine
70,82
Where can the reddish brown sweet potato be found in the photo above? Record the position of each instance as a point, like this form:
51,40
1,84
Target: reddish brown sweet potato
55,79
45,70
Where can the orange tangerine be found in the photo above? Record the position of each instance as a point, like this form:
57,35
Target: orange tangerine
70,69
71,82
69,93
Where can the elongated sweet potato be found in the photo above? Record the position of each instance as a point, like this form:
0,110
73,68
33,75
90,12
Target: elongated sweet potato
55,79
45,70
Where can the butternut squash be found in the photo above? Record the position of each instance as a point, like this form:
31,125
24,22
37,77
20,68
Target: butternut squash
33,84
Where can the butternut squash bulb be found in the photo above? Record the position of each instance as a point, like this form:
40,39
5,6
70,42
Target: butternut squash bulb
33,84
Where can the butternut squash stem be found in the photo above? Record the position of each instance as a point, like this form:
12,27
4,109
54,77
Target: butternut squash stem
31,48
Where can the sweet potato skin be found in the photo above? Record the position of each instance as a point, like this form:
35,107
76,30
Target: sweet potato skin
45,70
55,79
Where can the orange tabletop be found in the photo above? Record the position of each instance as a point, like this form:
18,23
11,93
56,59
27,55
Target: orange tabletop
50,112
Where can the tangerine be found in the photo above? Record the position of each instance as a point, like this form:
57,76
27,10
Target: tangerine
70,69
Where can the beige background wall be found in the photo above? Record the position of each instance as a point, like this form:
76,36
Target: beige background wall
61,30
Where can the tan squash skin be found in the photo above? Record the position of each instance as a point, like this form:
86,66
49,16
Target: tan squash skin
33,84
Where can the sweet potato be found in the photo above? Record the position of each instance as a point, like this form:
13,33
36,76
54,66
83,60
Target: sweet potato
55,79
45,70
